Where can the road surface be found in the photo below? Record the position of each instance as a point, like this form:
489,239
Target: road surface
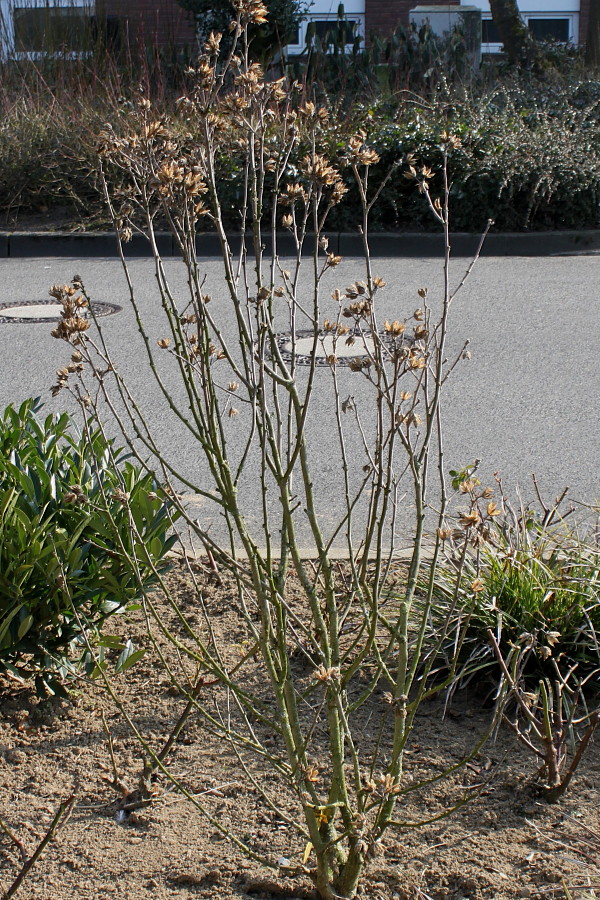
528,400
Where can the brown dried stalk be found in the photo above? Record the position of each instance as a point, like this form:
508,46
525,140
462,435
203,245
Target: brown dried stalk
550,719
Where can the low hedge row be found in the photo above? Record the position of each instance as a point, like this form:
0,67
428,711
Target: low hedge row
529,156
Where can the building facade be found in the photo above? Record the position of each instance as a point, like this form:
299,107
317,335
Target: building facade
28,27
563,20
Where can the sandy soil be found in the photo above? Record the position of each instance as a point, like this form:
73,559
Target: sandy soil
504,844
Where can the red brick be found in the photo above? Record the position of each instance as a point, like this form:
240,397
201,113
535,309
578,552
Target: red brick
162,22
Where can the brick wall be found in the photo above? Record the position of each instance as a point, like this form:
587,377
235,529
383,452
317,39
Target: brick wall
163,22
383,16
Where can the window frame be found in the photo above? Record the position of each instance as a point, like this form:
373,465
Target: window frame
357,17
8,48
569,15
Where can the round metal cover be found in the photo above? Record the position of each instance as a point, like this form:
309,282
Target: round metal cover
348,347
20,312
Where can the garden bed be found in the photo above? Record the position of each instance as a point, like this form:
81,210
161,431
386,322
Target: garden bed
506,843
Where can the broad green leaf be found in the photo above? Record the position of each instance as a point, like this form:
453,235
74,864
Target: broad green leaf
131,659
25,626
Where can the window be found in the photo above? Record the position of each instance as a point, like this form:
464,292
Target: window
51,29
328,31
335,31
32,28
489,32
543,27
550,29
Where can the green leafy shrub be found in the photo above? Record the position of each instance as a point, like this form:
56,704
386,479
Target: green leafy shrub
68,556
525,157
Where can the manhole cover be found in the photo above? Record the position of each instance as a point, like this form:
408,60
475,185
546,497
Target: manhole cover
47,311
358,347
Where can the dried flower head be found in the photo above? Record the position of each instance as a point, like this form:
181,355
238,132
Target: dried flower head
469,519
450,140
394,328
73,319
359,152
387,785
357,310
326,675
318,170
359,288
213,43
311,773
416,361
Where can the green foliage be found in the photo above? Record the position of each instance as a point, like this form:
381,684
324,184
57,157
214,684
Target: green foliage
68,556
526,158
528,155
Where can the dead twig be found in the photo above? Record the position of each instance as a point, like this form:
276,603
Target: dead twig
19,843
60,819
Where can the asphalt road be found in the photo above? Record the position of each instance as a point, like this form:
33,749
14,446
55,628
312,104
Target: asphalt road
528,401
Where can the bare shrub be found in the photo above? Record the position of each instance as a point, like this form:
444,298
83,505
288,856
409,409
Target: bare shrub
326,645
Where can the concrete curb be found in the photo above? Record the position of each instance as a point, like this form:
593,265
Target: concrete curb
103,244
336,554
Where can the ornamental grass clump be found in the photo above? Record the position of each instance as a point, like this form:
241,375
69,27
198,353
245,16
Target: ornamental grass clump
525,571
527,609
317,648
